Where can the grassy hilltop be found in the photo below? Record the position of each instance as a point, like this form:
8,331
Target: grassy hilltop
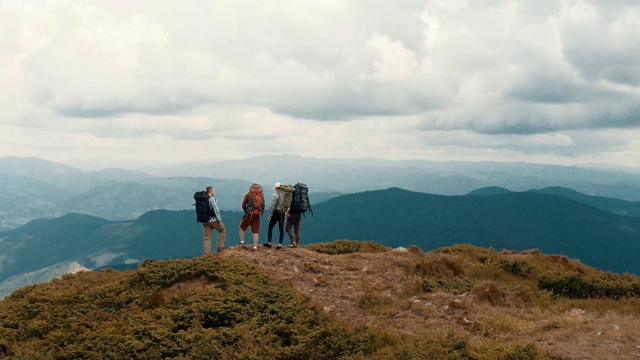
339,300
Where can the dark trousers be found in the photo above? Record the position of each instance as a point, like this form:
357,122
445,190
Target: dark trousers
277,217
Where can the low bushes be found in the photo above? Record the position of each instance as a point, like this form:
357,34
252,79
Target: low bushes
236,311
455,286
347,247
489,292
207,307
441,266
597,285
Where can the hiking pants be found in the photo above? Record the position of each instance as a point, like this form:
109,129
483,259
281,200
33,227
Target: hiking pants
207,229
294,221
277,217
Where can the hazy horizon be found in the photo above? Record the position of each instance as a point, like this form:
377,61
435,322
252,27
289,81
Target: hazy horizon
160,168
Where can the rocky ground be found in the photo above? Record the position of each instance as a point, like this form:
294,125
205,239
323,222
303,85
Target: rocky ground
383,290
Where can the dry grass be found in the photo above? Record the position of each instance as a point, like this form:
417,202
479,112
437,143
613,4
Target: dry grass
503,302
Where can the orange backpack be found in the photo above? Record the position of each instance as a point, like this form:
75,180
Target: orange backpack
255,203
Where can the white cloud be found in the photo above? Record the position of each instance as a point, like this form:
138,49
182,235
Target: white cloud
82,80
393,62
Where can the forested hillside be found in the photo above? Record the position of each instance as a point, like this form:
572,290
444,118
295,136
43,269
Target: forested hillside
520,221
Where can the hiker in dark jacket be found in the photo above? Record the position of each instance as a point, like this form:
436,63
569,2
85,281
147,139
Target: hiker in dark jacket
275,216
299,205
215,222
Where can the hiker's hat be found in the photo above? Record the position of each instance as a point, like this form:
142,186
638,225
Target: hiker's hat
277,185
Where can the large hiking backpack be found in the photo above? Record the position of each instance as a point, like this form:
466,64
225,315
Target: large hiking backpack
203,211
284,198
256,199
300,202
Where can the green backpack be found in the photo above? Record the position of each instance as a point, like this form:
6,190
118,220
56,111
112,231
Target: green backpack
284,198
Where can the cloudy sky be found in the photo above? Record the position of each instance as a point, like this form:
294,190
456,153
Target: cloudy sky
124,83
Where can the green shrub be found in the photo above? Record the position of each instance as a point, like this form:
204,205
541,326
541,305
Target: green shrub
488,291
527,352
370,301
347,247
518,268
596,285
441,266
455,286
236,312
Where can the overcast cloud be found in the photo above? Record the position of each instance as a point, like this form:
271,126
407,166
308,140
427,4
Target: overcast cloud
124,83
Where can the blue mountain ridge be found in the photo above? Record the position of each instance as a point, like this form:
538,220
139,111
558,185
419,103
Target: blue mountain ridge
393,217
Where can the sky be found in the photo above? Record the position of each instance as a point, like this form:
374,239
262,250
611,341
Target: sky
125,83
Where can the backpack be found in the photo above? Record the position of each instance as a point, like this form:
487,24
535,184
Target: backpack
203,211
256,199
284,198
300,202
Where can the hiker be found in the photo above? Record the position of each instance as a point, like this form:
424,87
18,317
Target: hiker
299,205
210,219
253,206
278,207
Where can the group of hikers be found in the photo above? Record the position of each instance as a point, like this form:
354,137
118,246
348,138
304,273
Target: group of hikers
286,207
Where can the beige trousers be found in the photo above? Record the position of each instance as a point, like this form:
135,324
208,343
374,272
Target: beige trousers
207,229
294,220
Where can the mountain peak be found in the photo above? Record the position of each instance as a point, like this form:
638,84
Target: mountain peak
490,190
343,299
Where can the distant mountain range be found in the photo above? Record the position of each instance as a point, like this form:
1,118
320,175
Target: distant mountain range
552,223
33,188
393,217
435,177
617,206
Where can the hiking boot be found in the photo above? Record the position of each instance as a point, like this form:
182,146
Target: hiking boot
241,244
291,245
279,247
267,245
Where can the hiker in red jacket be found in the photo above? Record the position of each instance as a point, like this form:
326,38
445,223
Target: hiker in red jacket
253,206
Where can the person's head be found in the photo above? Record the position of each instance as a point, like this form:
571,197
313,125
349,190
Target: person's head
276,187
210,190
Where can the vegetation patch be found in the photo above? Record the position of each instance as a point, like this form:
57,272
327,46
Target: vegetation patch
413,249
595,285
441,266
371,300
454,286
347,247
489,292
221,309
228,307
553,273
518,267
